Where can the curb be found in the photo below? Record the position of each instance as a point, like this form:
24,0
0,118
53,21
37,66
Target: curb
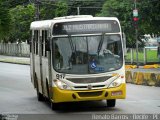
17,62
130,66
145,66
151,66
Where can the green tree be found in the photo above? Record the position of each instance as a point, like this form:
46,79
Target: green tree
122,9
14,3
22,16
61,9
21,19
4,21
87,7
49,10
149,16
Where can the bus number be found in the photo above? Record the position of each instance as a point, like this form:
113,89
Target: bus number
60,76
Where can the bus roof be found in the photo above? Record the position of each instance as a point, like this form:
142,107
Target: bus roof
46,24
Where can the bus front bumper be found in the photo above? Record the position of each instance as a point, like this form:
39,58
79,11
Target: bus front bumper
88,95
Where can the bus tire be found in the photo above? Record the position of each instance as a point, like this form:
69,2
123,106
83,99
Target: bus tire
111,103
39,95
54,106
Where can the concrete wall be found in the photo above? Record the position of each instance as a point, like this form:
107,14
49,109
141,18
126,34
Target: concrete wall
148,77
14,49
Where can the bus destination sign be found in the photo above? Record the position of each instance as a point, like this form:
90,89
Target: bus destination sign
85,27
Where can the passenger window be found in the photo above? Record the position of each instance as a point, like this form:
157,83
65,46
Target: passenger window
36,41
43,40
46,42
31,43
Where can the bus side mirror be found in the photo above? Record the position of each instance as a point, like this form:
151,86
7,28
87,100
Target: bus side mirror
47,46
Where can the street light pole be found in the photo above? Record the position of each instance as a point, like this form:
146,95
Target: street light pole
137,47
37,11
136,35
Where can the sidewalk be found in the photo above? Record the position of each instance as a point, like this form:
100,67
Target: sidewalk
15,60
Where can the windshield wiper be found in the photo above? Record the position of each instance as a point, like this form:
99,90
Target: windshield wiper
71,43
87,55
100,44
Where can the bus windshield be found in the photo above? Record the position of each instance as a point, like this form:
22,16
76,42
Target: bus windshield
87,54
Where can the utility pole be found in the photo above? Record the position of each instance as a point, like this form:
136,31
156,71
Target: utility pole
135,15
37,11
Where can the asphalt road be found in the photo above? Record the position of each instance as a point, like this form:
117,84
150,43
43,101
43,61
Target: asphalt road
17,96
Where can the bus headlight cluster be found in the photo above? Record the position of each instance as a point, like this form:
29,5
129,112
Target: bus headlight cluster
62,85
116,83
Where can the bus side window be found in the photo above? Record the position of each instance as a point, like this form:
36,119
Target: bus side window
47,46
38,44
30,42
46,39
36,41
43,40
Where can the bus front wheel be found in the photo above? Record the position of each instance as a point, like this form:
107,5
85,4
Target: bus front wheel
111,103
54,106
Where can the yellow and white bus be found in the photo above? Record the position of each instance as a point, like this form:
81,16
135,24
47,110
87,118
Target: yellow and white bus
78,58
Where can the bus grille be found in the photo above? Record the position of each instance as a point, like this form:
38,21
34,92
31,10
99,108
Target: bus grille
90,94
89,80
86,87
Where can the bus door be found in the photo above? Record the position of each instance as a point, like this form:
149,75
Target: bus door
38,61
45,66
32,52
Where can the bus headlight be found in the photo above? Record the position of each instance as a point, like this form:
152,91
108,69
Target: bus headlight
116,83
62,85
